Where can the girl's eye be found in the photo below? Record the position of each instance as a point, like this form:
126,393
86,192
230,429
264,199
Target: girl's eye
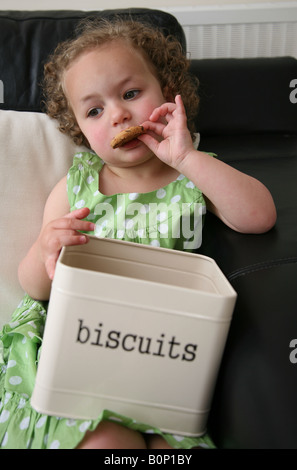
129,95
94,112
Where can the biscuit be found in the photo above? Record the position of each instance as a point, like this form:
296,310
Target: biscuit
126,135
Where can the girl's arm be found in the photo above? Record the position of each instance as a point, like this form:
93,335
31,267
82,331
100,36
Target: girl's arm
59,228
240,201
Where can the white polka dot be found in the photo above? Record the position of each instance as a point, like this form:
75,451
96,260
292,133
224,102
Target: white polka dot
70,422
13,324
155,243
25,423
161,216
90,179
22,403
163,228
161,193
180,177
129,223
7,397
141,233
119,210
100,227
133,196
41,422
24,340
149,431
31,334
175,199
145,208
11,363
120,233
80,167
84,426
42,313
15,380
190,185
4,416
80,204
102,224
115,418
96,193
76,189
203,445
178,438
25,313
79,155
55,444
4,440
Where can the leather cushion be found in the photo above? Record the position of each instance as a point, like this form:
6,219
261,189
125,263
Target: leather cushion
243,96
28,37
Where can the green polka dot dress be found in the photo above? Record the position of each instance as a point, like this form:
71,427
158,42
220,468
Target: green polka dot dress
116,216
170,217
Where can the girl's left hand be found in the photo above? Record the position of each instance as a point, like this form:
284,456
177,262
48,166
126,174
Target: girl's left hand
169,121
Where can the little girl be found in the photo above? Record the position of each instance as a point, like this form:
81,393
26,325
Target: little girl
114,75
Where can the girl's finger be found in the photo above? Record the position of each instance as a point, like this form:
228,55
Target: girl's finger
67,240
67,223
50,266
156,127
78,213
162,111
150,142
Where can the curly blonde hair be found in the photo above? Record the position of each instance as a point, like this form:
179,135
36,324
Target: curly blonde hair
165,53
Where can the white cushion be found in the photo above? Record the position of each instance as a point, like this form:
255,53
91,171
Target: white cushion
35,155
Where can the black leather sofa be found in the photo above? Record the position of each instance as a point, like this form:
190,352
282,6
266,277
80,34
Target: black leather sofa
248,117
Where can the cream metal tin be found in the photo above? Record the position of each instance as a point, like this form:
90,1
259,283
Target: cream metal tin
134,329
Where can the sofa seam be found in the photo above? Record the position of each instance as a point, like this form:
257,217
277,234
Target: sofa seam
260,266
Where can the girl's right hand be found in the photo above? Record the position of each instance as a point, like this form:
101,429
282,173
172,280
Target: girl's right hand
64,231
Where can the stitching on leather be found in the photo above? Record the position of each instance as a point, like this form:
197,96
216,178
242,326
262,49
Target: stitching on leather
260,266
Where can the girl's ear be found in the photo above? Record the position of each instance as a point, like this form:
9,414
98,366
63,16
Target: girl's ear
168,95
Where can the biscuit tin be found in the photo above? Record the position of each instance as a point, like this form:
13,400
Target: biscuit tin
134,329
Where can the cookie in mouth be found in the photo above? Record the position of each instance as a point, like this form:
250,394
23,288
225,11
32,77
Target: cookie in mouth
126,135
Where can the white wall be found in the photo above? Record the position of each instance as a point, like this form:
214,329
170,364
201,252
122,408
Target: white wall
102,4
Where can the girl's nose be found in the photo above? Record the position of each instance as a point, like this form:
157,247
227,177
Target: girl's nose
119,114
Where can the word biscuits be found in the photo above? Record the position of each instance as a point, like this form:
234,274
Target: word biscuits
126,135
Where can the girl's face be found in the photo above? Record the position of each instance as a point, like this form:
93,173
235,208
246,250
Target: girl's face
109,89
